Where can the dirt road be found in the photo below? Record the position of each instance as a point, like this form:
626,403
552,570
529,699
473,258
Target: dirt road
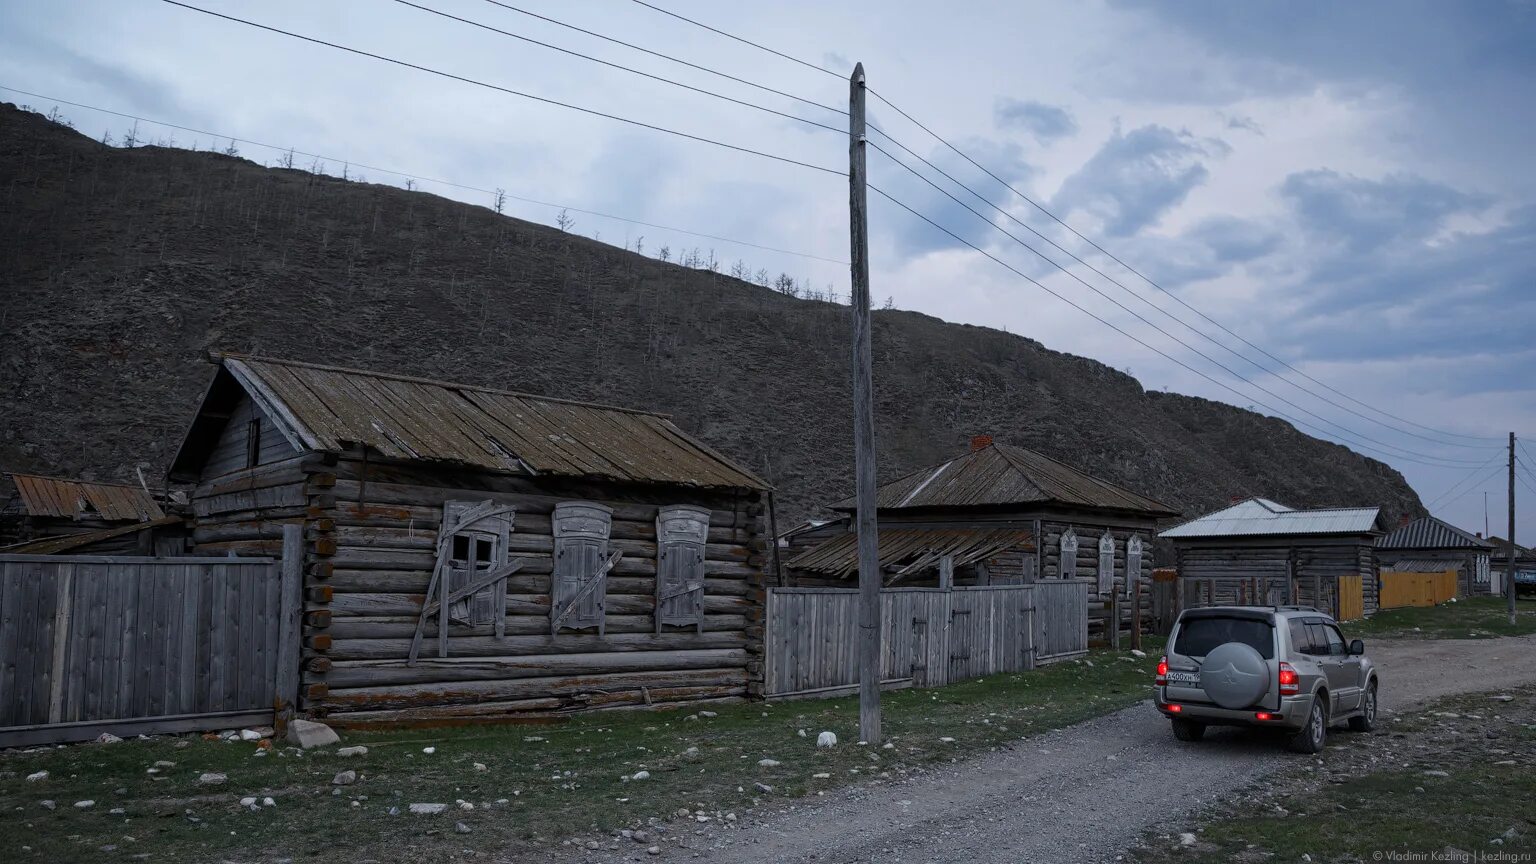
1081,794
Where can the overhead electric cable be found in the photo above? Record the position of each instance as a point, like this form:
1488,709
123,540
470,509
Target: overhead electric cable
1465,477
423,178
805,63
449,75
1477,485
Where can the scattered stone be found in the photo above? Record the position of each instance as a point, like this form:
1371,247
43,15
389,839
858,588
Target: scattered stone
212,778
821,776
1187,839
268,802
1437,773
107,738
345,778
428,809
429,750
38,776
117,811
394,811
85,805
763,788
1502,697
640,775
708,714
653,850
480,766
888,746
460,828
164,764
249,735
308,733
639,836
1137,652
771,763
465,805
801,733
355,750
248,801
826,739
48,805
947,740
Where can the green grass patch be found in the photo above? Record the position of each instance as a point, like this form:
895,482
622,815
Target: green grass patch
1471,618
554,782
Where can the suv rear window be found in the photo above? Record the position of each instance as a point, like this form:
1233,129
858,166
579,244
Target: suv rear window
1200,636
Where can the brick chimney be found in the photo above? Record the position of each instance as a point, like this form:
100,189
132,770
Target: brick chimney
980,442
1237,499
1404,520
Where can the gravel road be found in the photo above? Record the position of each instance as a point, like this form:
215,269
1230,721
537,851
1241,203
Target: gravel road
1081,794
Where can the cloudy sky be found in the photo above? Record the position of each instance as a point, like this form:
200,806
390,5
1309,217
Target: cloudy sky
1346,186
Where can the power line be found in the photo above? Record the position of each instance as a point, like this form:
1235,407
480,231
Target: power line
449,75
424,178
1165,355
1468,476
664,56
622,67
1405,453
1477,485
893,106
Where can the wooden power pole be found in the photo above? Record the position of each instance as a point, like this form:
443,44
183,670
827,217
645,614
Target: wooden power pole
863,421
1509,569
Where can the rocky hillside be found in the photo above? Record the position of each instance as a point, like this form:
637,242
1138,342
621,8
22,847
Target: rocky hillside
122,267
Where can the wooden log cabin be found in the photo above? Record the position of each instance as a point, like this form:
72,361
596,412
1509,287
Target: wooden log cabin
998,515
1429,545
588,557
1259,552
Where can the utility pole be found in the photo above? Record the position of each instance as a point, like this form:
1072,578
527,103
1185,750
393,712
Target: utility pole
1509,569
863,421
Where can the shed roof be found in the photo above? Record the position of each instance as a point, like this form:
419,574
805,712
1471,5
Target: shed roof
328,408
1431,533
1001,474
1263,517
914,548
69,499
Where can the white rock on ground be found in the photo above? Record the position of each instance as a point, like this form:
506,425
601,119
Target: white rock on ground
308,733
461,828
249,735
212,778
708,714
1187,839
268,802
640,775
356,750
344,778
1137,652
107,738
429,750
653,850
248,802
768,763
826,739
40,775
428,809
481,766
84,805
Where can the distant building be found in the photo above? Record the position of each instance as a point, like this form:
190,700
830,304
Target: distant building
1261,552
1498,561
996,515
1429,545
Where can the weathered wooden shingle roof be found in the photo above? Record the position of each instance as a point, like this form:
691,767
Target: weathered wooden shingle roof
330,409
1262,517
1431,533
70,499
1000,475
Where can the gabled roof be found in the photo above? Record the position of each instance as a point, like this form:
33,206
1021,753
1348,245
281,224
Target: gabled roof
1261,516
1001,474
327,408
69,499
1431,533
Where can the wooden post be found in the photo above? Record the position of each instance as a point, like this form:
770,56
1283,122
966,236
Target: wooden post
1509,569
1112,634
1136,615
290,606
773,529
947,572
863,420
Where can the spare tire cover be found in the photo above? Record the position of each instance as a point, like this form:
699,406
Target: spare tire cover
1234,675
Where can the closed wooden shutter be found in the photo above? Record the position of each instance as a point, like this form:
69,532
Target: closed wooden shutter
1132,564
1067,567
581,575
1106,563
681,535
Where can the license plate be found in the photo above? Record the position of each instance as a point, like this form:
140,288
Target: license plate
1190,678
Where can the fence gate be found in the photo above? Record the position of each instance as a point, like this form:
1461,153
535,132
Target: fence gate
134,645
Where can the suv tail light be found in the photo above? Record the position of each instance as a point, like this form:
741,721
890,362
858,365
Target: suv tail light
1162,672
1290,682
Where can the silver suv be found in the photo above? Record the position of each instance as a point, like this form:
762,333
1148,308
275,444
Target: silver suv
1285,667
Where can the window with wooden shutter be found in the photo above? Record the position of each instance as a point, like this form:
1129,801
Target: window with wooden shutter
681,535
1132,564
1067,568
477,546
1106,563
582,563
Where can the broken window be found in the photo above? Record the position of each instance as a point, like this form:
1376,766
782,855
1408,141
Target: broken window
1068,566
681,535
1132,564
582,563
477,546
1106,563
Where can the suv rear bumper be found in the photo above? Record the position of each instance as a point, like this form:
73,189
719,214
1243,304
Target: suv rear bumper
1292,713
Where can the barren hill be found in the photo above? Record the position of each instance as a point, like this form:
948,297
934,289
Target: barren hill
120,267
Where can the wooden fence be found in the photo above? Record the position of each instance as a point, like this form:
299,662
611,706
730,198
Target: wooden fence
133,645
1416,589
930,636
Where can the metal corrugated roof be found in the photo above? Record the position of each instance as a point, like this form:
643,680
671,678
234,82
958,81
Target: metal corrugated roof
329,408
1001,474
1260,516
1431,533
914,548
68,499
1422,565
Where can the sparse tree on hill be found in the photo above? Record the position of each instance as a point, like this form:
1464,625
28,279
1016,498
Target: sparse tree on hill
55,117
664,253
501,199
564,220
640,245
410,185
106,137
231,150
132,138
286,159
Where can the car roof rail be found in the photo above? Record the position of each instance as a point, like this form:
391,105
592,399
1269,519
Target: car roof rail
1284,608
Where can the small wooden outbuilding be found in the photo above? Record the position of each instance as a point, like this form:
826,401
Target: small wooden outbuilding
997,515
48,515
1260,552
586,556
1428,545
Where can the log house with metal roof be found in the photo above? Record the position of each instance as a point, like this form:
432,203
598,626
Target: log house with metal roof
1427,545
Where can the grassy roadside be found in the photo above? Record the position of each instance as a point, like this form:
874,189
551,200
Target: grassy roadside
539,785
1458,776
1471,618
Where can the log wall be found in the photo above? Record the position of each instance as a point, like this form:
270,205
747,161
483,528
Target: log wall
1312,571
1102,607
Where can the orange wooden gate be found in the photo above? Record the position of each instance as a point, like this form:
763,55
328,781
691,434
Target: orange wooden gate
1417,589
1351,598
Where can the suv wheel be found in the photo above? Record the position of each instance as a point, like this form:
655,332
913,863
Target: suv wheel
1188,730
1365,721
1311,737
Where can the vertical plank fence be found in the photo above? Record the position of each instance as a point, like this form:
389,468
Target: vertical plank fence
931,636
1416,589
134,645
